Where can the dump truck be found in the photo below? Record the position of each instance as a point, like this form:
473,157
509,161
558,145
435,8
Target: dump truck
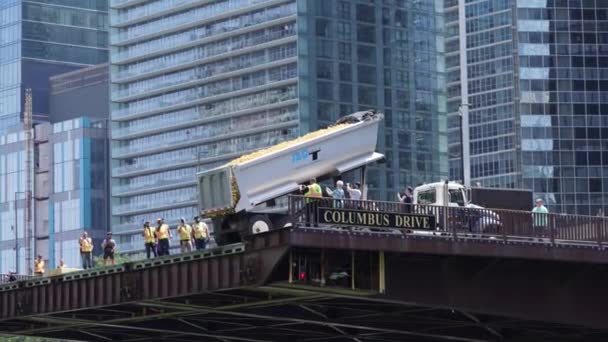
248,195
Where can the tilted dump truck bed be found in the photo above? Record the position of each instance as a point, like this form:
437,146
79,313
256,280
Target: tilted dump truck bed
278,170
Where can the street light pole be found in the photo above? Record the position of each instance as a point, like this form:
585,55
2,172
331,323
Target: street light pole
463,110
465,156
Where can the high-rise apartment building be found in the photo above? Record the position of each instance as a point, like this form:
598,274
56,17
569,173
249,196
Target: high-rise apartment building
536,81
39,39
486,87
195,84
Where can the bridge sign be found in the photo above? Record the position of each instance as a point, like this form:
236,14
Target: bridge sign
350,217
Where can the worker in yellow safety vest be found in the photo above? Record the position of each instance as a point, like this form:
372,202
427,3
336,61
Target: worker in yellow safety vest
312,191
86,250
39,266
149,240
163,234
313,194
185,236
200,233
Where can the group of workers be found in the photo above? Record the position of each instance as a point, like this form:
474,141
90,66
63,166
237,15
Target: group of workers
156,242
314,190
313,193
40,265
86,250
157,239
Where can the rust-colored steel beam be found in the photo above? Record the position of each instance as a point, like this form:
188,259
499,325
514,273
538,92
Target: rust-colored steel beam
173,276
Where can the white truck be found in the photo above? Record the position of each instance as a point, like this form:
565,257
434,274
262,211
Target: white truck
452,194
249,194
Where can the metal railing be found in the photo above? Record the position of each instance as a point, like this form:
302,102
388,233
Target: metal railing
462,223
10,278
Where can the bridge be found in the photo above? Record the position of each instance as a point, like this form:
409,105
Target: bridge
338,282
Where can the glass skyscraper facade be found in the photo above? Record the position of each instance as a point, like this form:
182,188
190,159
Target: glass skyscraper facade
487,85
197,84
69,192
39,39
554,90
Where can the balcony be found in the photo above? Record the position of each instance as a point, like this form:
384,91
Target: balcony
121,3
150,10
212,51
157,185
174,202
177,159
202,138
194,116
144,168
193,97
159,103
204,74
136,228
117,95
207,45
157,124
201,15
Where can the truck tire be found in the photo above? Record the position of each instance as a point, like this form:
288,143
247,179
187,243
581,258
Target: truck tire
260,224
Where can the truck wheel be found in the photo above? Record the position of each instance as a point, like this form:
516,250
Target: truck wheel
260,224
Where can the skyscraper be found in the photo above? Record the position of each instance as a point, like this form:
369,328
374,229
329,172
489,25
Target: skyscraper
537,79
486,87
70,173
39,39
69,194
197,84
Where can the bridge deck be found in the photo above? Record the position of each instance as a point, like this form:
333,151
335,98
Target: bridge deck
463,287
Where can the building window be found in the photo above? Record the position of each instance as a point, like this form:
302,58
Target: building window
367,95
344,51
345,72
323,28
324,70
366,13
346,93
366,74
344,30
366,54
324,49
366,33
343,9
325,90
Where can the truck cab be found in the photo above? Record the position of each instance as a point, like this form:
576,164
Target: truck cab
451,194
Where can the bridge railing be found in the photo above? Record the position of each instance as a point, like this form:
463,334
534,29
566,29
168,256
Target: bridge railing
455,221
6,278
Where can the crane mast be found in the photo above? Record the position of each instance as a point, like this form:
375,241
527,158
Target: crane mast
27,129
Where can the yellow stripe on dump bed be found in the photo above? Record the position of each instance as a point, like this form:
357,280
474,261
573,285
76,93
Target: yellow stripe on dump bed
286,144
